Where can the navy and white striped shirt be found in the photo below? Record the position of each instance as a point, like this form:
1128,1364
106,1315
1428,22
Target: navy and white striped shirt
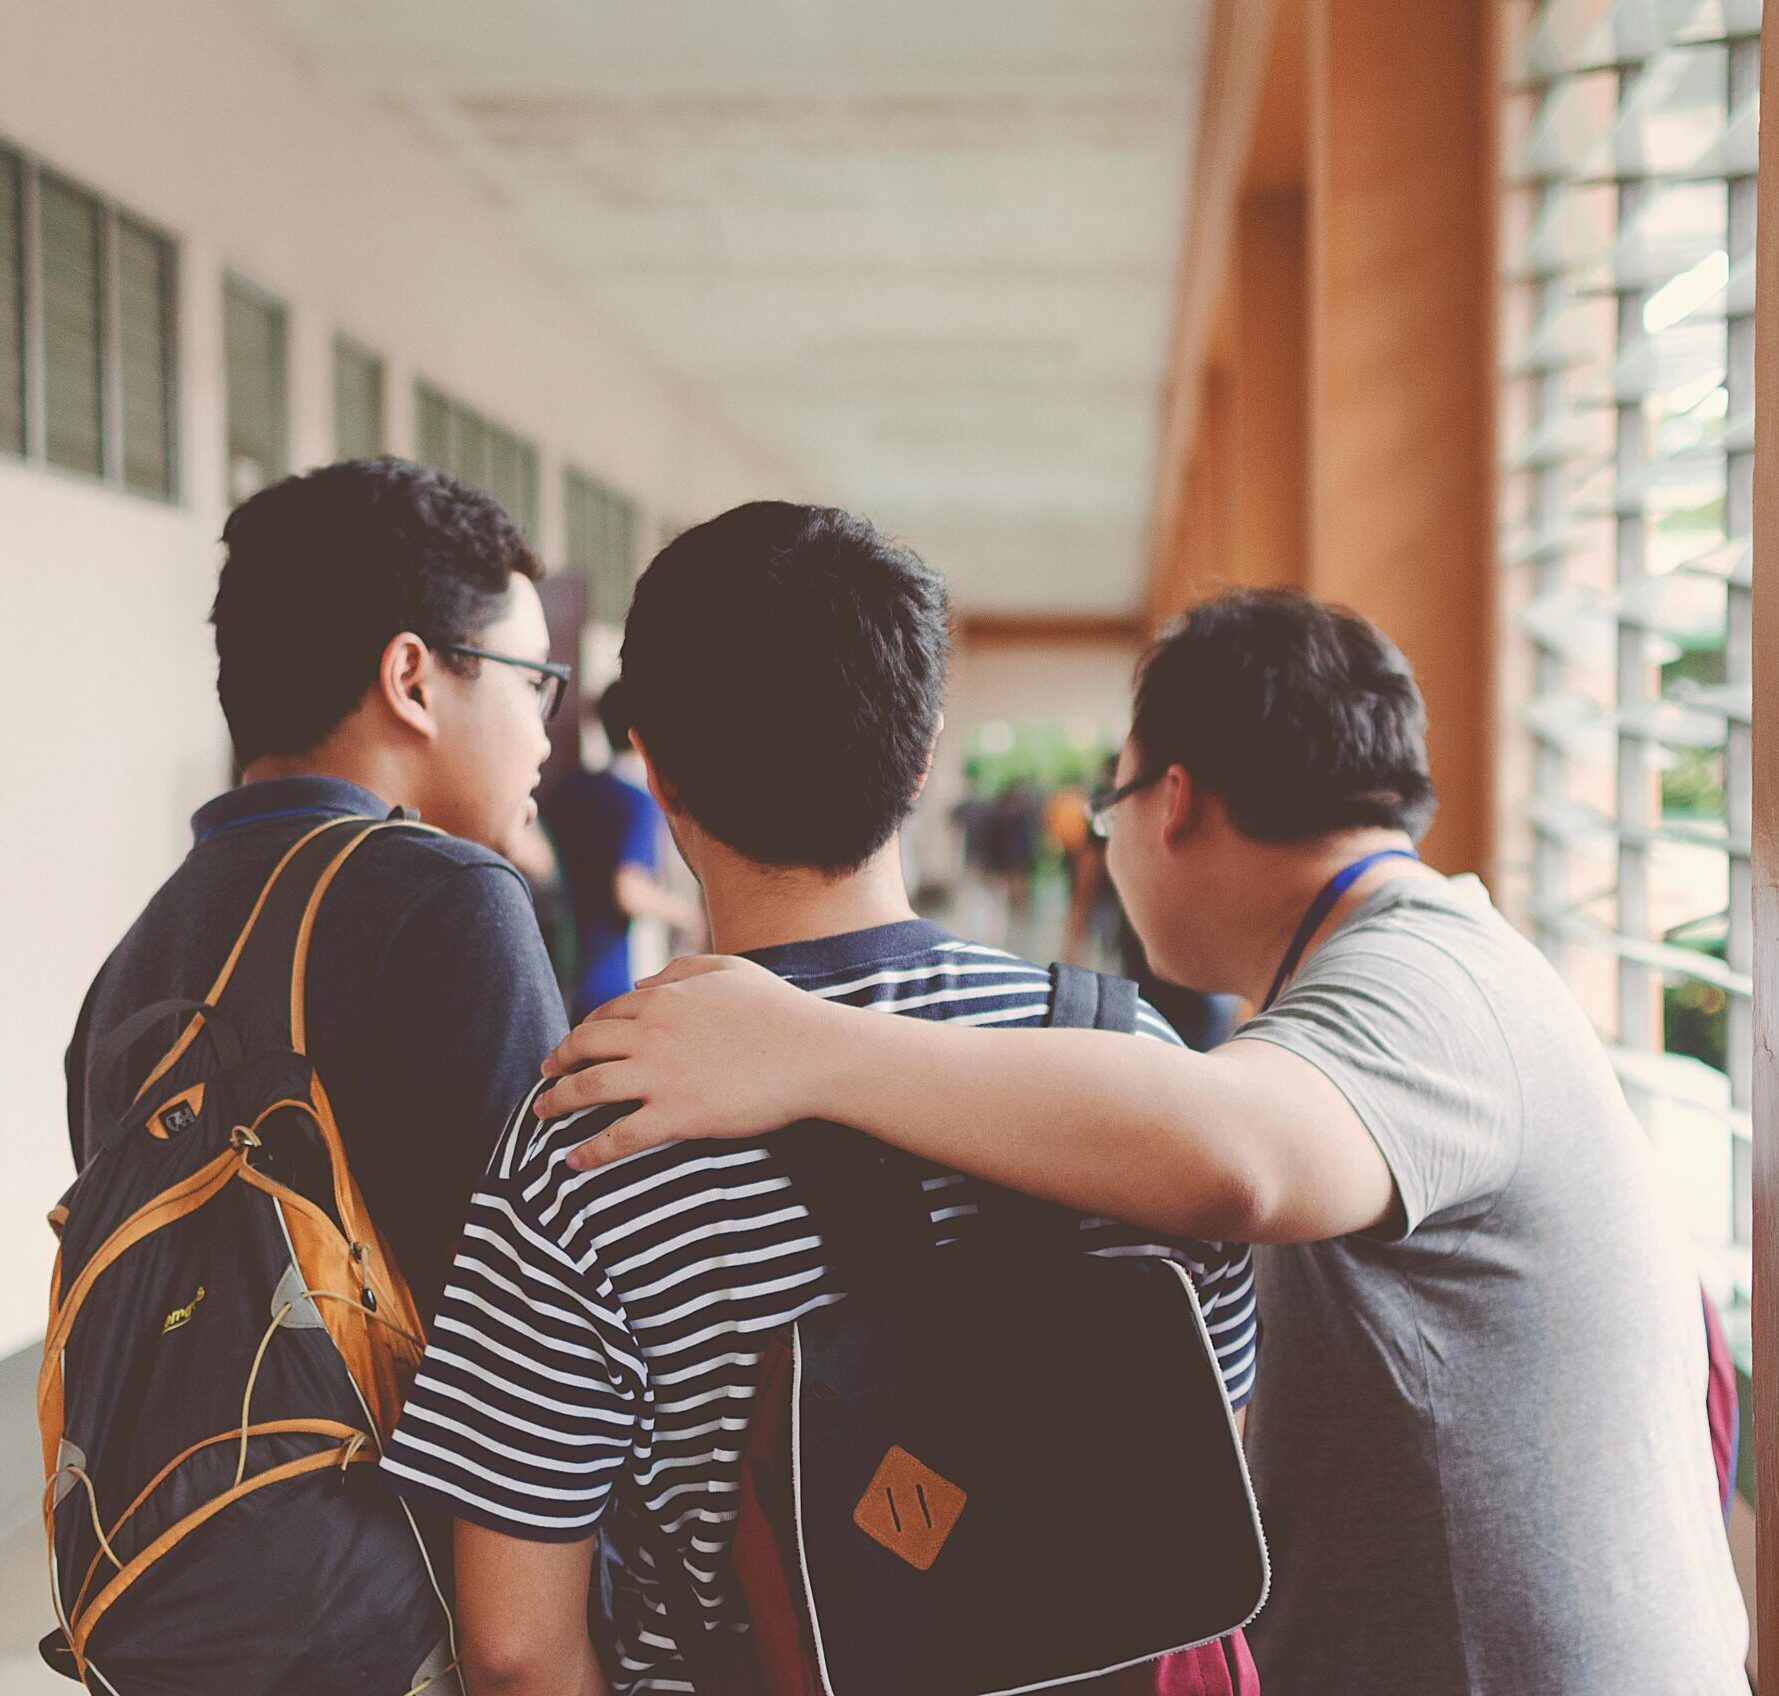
595,1357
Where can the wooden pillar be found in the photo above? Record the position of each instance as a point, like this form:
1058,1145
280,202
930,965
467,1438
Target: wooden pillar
1199,563
1270,371
1402,268
1766,877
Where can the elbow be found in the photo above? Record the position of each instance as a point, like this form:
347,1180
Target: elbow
1243,1206
508,1666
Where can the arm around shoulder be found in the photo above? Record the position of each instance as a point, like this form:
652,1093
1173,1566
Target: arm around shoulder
1246,1144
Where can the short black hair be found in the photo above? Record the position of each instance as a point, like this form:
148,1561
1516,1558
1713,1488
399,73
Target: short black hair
1303,717
783,668
322,570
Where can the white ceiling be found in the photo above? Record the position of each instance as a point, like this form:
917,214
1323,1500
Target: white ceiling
923,247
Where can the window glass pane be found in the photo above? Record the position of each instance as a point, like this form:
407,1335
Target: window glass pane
145,308
258,379
600,531
434,430
358,402
472,439
503,472
458,439
12,304
73,353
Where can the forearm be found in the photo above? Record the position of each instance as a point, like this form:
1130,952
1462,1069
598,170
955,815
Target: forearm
1108,1124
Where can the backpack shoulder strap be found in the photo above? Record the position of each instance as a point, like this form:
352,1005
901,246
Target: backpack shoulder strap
864,1197
1079,1000
1093,1001
263,987
272,950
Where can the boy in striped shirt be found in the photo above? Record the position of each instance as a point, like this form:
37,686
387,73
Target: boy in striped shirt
592,1368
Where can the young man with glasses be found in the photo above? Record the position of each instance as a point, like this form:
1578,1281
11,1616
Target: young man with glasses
1479,1433
380,647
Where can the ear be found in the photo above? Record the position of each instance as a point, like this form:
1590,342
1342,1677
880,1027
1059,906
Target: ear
659,787
1180,801
926,771
407,679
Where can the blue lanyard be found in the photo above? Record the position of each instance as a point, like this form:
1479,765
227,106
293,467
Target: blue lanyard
1321,907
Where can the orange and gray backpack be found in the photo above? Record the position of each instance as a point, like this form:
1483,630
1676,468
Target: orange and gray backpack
229,1344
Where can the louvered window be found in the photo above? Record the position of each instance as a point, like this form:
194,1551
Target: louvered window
458,439
88,332
600,530
256,360
12,303
358,401
70,222
145,340
1628,371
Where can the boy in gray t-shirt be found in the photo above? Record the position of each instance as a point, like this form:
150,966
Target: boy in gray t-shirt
1429,1425
1479,1431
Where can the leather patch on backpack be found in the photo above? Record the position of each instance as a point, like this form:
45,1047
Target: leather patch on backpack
174,1118
909,1508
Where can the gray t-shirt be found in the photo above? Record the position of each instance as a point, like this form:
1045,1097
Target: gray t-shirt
1479,1438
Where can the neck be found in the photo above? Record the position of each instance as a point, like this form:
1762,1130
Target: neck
754,906
1277,884
379,774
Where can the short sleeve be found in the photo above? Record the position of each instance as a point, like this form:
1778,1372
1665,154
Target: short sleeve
1404,1031
1226,1297
524,1411
640,842
468,1006
1222,1274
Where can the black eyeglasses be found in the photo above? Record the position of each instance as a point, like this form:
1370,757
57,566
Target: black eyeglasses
1101,802
552,675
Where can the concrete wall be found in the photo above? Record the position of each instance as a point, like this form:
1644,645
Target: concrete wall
192,116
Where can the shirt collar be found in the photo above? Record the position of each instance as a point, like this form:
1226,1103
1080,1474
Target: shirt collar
285,797
850,949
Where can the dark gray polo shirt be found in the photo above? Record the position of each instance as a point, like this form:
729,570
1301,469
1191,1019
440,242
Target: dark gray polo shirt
430,1000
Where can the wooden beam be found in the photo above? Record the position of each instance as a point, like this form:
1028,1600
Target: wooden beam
1271,375
1236,60
1766,879
1202,557
1008,630
1402,280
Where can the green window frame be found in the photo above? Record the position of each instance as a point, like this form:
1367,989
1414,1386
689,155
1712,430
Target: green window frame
359,387
466,443
256,381
601,529
89,332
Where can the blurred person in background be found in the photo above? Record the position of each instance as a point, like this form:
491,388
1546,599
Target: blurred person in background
1097,923
606,831
1479,1430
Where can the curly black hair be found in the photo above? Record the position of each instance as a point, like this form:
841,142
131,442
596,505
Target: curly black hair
323,569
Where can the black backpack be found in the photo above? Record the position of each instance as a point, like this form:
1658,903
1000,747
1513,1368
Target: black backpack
229,1344
998,1465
